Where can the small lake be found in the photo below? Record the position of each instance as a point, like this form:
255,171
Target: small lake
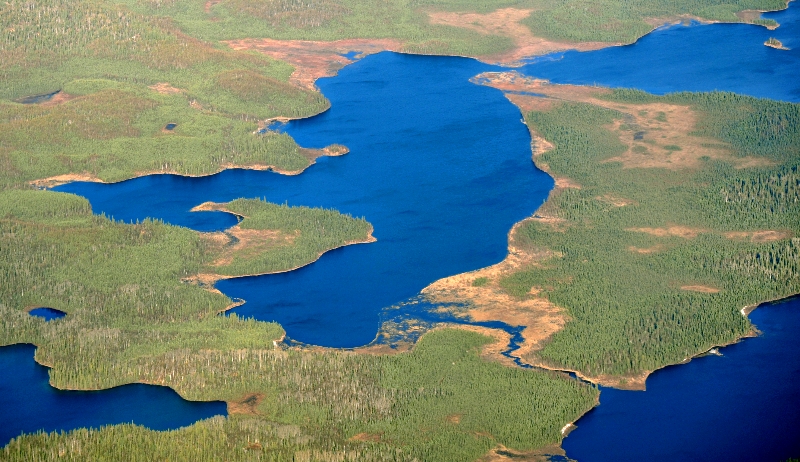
442,169
28,403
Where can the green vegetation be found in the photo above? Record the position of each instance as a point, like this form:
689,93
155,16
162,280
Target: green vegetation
439,402
612,21
107,57
311,231
121,284
130,318
407,21
623,288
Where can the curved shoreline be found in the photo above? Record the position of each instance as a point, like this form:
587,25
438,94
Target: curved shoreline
58,180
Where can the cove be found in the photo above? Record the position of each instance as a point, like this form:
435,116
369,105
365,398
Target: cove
699,57
28,403
441,167
738,406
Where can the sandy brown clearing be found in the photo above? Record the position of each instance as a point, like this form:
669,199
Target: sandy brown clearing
313,59
58,98
506,22
647,250
685,232
701,289
248,405
372,437
488,302
759,236
501,454
237,242
165,89
616,201
749,16
57,180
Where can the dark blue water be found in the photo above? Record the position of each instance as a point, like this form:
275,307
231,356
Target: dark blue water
47,313
729,57
740,406
441,168
28,403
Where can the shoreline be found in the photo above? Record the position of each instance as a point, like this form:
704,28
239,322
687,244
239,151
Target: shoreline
241,44
58,180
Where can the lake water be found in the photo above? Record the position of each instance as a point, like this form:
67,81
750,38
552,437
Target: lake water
48,314
742,405
726,57
442,169
28,403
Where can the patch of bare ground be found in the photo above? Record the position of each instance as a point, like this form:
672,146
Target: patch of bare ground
248,405
685,232
647,250
210,4
677,19
759,236
502,453
616,201
658,135
700,288
57,180
58,98
506,22
370,437
564,182
528,103
314,59
165,89
489,302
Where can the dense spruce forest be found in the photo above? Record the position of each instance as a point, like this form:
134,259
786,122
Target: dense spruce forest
640,301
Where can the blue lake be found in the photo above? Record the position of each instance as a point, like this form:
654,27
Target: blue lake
28,403
442,169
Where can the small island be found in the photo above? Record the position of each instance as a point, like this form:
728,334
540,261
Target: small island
772,42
